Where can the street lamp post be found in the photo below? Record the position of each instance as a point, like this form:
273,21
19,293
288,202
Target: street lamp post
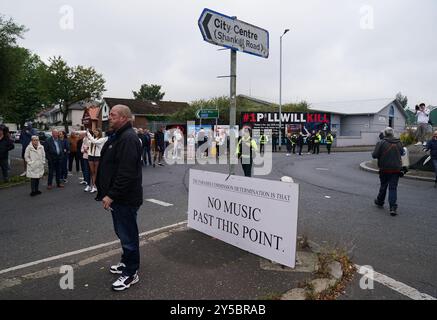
280,88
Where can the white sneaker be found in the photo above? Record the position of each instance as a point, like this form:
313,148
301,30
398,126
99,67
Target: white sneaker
418,144
94,189
87,189
83,182
124,282
118,268
23,174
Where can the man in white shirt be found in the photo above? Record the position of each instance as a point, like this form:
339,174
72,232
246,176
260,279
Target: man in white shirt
422,124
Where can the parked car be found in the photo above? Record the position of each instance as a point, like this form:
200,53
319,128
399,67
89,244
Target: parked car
16,137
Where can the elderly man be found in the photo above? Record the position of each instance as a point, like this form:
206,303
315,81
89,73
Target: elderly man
119,185
389,151
54,154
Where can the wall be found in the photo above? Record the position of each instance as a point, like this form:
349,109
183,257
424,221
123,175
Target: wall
354,125
365,139
380,120
140,122
75,116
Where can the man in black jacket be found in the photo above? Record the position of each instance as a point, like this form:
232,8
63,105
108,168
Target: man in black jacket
159,146
388,151
6,145
54,153
119,185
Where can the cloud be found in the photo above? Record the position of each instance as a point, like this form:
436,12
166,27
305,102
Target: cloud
326,56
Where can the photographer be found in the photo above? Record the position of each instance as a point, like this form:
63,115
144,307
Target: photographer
422,124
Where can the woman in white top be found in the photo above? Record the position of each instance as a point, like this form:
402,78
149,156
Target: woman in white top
35,158
177,144
96,144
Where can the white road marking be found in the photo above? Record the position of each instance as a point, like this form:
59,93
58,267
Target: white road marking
161,203
397,286
73,253
327,197
322,169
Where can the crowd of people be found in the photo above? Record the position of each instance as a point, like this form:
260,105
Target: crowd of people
112,168
81,150
313,141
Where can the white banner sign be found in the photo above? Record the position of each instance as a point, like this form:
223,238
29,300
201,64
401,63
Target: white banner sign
256,215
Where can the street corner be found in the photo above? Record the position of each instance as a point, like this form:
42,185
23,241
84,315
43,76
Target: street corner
372,166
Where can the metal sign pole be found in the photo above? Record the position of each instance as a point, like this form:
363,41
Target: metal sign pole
233,107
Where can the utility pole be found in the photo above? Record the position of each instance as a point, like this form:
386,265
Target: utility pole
280,88
233,107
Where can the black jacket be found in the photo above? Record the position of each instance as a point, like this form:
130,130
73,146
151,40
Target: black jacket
120,170
50,149
388,152
300,141
6,145
147,141
159,140
432,146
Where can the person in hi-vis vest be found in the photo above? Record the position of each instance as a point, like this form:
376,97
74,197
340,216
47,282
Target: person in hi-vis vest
245,148
263,140
329,142
317,141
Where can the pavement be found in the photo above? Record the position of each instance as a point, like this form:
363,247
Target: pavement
177,264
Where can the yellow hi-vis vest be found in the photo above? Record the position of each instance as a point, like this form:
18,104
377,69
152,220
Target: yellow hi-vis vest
263,139
318,138
329,139
249,142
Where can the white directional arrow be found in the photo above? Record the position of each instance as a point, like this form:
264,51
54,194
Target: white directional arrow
221,30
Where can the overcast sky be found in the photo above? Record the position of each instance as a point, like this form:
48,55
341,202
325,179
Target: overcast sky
337,50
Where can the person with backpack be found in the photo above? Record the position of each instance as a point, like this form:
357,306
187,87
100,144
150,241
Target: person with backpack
389,152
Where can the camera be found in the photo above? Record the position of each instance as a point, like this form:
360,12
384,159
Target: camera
404,171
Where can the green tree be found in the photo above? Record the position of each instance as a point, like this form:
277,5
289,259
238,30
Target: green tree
67,85
403,100
29,94
149,92
11,56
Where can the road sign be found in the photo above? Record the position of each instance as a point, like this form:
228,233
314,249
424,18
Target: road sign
207,114
221,30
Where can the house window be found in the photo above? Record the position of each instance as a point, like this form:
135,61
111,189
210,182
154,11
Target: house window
391,117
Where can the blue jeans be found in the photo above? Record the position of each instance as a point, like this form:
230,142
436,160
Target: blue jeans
54,167
126,229
389,180
85,170
147,156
